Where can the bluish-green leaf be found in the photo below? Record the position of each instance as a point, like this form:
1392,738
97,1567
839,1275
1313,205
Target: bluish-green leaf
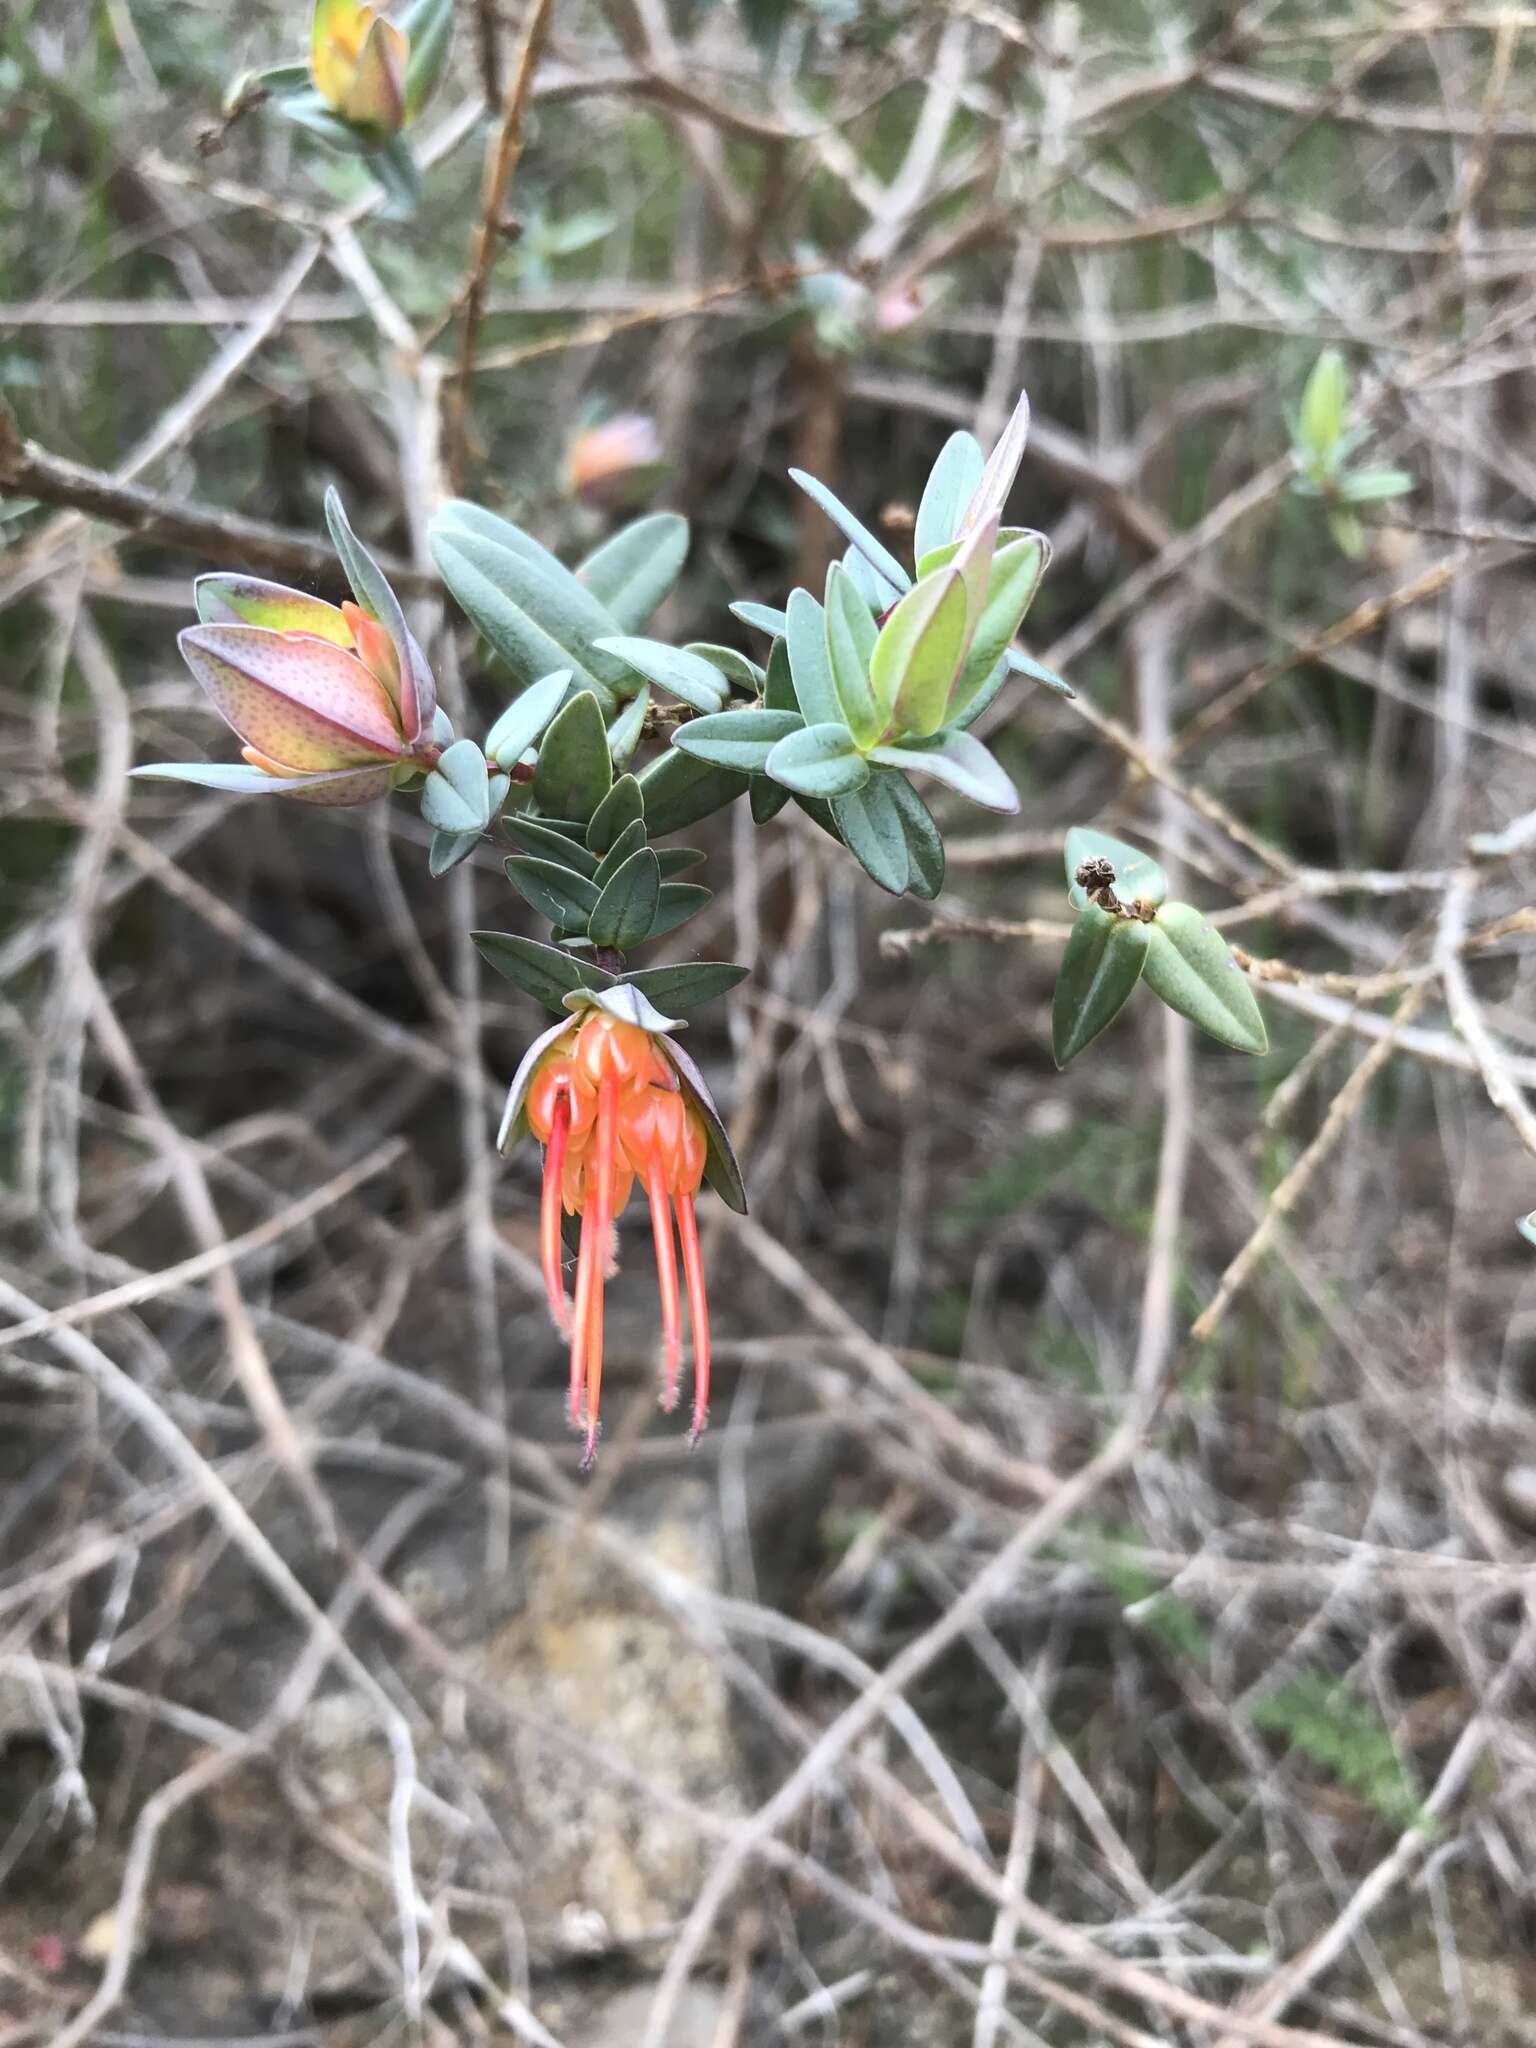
731,662
687,983
532,611
851,636
818,760
677,902
448,849
805,640
1138,878
536,836
676,860
779,683
1026,665
626,731
876,592
566,898
1373,486
879,558
689,676
951,485
632,572
763,616
622,807
625,912
766,798
525,718
544,972
1101,966
1189,966
429,25
869,823
679,790
629,841
574,770
925,844
456,795
736,739
960,761
1527,1227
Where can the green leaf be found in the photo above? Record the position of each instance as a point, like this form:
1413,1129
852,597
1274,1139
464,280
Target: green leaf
766,798
805,640
878,595
529,608
560,894
537,837
574,771
676,903
622,807
429,25
1348,533
1011,586
818,760
629,841
625,911
372,589
394,169
676,860
688,983
525,718
448,849
952,483
544,972
625,733
958,760
925,845
1323,403
1026,665
634,570
679,790
778,683
1188,965
1101,966
763,616
879,558
456,795
851,636
736,739
869,823
732,664
696,681
918,651
1371,486
990,497
1137,875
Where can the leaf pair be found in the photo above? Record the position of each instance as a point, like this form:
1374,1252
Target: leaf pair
1182,957
549,974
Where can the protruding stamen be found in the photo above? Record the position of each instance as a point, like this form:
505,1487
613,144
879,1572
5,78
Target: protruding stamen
698,1310
666,1275
550,1248
587,1271
600,1215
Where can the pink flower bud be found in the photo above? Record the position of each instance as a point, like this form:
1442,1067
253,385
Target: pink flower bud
615,463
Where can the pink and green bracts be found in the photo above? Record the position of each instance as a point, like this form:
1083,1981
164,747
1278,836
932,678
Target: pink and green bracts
332,704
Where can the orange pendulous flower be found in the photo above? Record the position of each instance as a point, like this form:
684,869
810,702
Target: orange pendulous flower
613,1100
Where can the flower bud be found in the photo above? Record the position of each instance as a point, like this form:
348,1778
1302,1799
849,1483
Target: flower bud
358,61
616,463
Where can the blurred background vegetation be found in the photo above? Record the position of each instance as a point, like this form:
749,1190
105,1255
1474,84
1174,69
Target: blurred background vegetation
1235,1717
